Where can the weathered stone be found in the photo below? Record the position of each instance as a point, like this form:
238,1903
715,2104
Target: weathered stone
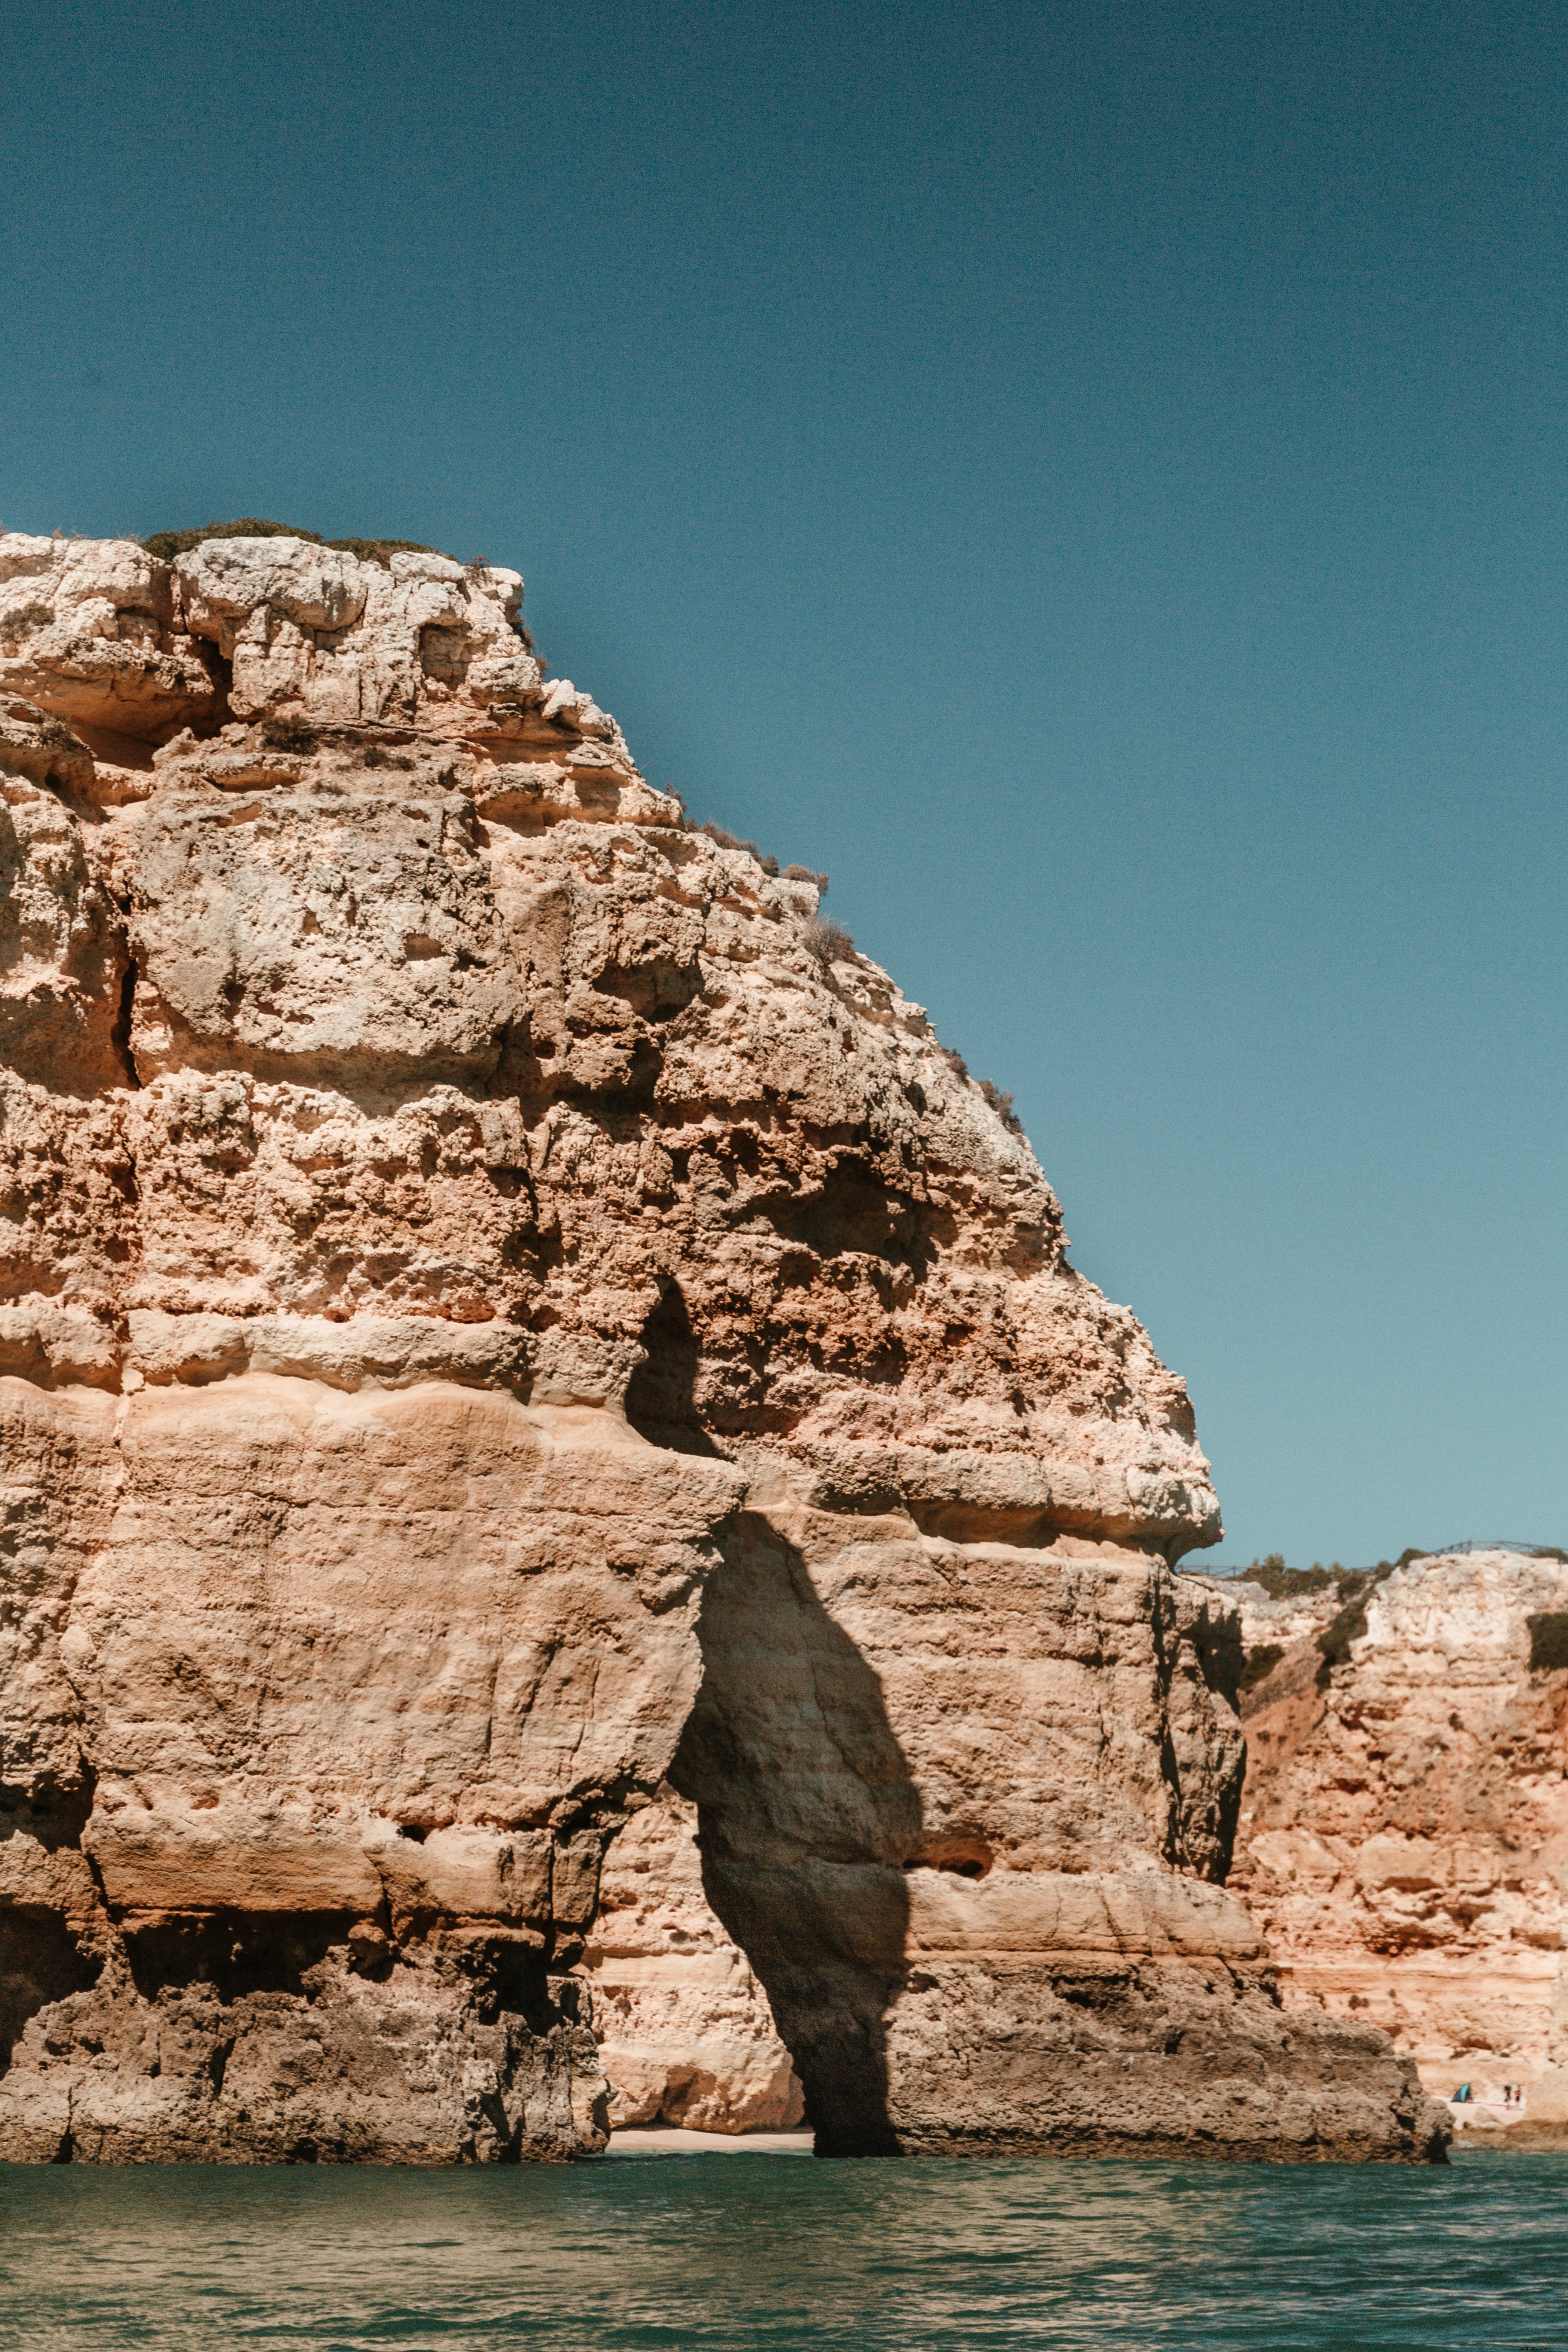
1405,1834
686,2031
563,1494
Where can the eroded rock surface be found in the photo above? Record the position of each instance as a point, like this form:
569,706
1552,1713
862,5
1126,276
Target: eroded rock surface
687,2033
1405,1833
565,1509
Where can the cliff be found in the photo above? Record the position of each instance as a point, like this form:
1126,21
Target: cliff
1403,1836
564,1506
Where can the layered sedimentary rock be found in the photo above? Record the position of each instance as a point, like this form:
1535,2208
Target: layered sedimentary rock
1405,1830
570,1531
686,2031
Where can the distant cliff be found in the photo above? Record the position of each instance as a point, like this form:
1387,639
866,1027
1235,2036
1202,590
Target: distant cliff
1404,1835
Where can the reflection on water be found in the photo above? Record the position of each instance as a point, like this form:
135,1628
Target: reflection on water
777,2254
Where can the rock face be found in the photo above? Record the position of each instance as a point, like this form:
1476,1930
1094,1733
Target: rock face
565,1508
686,2031
1404,1832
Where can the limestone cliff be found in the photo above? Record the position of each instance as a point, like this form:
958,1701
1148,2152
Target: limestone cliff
562,1500
1405,1833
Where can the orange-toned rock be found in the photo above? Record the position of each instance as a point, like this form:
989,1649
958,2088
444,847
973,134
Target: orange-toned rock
1405,1833
687,2035
515,1341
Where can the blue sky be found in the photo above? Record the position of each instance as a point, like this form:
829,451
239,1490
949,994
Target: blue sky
1091,477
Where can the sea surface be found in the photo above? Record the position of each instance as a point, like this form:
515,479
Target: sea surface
778,2252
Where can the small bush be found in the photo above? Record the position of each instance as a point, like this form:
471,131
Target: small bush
1355,1587
727,840
1260,1662
1548,1641
828,942
1000,1103
289,735
1002,1106
1282,1583
1334,1641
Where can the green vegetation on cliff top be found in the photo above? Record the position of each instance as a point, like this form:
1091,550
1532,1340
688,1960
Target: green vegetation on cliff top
167,544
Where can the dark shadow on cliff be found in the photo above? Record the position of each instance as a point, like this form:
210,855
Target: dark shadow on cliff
806,1813
661,1401
41,1960
239,1954
40,1963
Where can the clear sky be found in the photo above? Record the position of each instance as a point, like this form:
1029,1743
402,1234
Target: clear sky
1091,477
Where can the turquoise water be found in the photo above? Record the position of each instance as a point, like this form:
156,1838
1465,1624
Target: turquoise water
776,2253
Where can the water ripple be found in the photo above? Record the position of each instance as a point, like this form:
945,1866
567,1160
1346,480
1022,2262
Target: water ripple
711,2253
